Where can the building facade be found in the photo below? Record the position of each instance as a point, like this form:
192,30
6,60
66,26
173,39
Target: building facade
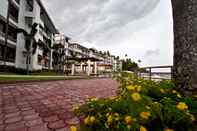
83,60
22,14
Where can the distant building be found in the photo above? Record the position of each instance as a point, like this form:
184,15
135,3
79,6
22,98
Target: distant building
23,13
83,60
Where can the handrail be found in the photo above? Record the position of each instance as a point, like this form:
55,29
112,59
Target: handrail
150,73
168,66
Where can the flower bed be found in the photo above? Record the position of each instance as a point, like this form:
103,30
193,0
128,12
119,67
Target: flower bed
141,105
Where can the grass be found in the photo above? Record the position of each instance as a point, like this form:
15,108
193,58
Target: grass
8,79
44,73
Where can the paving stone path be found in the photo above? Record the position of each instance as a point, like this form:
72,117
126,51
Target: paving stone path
46,106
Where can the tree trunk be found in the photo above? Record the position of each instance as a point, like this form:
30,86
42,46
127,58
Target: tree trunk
185,44
27,63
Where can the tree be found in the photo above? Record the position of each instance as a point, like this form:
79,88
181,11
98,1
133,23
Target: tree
129,65
47,48
118,57
185,46
30,43
58,56
108,53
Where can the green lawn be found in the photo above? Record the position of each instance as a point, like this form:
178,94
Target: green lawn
36,73
7,79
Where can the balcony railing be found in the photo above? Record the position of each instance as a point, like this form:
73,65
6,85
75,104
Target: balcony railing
12,39
9,37
17,1
15,19
2,34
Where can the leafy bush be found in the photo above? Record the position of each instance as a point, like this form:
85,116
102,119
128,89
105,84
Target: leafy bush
11,69
141,105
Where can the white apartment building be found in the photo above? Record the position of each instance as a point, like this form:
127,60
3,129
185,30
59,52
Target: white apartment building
23,13
89,60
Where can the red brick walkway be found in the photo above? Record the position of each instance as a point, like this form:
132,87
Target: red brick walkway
47,106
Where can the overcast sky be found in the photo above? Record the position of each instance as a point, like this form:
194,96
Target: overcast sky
140,28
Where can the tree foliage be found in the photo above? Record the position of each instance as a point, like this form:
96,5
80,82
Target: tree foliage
129,65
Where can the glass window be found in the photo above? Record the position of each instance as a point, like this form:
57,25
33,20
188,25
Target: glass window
29,6
10,54
39,59
1,50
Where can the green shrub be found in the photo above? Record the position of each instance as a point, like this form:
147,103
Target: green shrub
12,69
141,105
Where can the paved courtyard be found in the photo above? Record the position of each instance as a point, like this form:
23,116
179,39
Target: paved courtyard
46,106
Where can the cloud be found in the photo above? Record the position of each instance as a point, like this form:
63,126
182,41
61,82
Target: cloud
152,53
90,19
135,27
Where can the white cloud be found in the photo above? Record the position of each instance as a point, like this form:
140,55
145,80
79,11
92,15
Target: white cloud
122,26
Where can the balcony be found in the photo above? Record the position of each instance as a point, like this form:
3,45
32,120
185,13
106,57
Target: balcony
14,13
2,34
29,14
11,38
18,1
15,19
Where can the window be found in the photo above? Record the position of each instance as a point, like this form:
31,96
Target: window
46,63
29,6
2,26
11,53
12,33
39,59
1,50
14,13
29,21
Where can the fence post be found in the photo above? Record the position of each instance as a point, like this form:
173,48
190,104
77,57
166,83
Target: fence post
150,74
171,72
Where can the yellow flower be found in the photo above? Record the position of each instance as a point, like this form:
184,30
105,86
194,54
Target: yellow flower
168,129
179,95
92,119
116,114
129,126
109,119
138,88
145,115
107,114
143,128
181,106
191,116
75,108
128,119
86,120
93,99
131,87
148,107
73,128
162,90
174,91
136,96
113,97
